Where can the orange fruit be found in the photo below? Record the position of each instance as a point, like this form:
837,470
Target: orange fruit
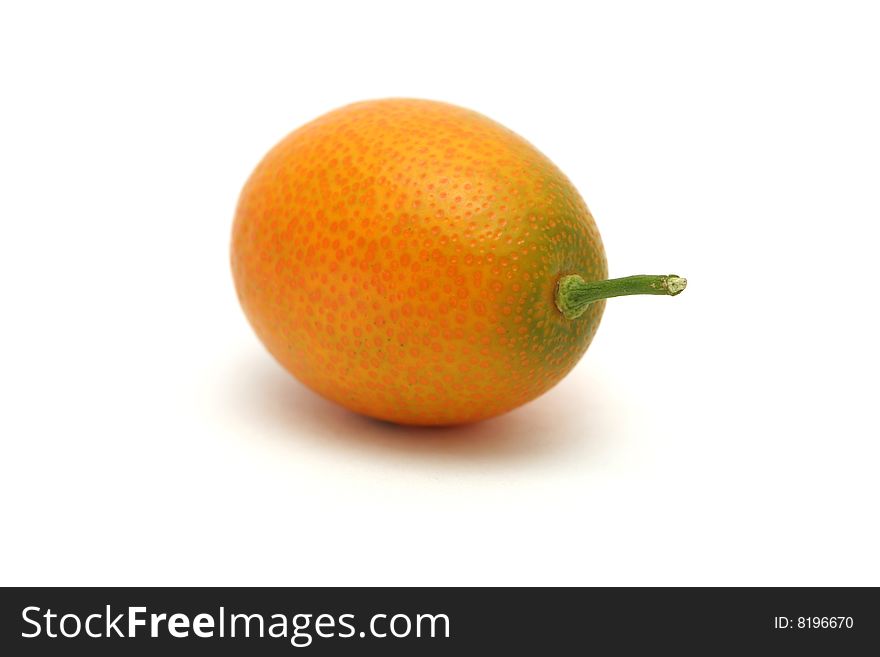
405,258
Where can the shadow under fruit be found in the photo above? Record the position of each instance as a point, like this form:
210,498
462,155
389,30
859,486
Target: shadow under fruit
419,263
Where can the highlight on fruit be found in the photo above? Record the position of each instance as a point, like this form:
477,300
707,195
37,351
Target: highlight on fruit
416,262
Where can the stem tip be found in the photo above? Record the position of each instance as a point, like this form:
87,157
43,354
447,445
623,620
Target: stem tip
675,284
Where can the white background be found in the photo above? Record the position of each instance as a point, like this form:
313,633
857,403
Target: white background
727,436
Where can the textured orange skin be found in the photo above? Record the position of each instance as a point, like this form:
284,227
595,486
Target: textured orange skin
400,257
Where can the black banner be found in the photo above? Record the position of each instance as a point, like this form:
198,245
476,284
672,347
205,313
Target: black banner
408,621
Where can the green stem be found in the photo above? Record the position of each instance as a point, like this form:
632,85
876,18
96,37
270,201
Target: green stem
574,294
